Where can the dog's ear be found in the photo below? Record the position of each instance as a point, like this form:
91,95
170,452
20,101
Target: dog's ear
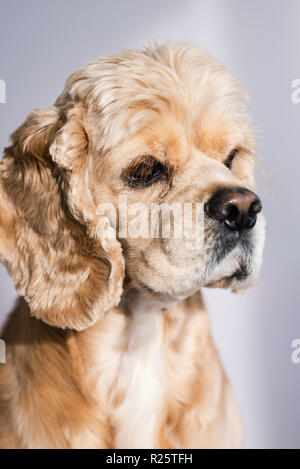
60,253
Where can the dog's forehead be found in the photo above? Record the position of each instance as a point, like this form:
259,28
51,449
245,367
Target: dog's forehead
175,129
127,92
180,131
180,125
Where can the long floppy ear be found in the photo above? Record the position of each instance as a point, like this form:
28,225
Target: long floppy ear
54,244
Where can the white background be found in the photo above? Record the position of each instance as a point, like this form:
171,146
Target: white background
42,42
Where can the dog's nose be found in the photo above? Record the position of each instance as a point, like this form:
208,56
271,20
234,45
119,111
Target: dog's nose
237,208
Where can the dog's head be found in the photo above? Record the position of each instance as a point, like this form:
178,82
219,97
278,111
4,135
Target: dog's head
142,171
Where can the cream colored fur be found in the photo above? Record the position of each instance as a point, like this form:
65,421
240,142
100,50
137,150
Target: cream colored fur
109,345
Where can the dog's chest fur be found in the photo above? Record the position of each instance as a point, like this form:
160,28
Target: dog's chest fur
155,378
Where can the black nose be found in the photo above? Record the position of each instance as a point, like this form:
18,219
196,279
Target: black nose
237,208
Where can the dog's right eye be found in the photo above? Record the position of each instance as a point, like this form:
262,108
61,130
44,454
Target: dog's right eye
144,171
230,158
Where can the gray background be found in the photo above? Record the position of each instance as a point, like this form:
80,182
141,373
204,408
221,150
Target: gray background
42,42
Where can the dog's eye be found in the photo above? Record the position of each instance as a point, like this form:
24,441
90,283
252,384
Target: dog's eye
230,158
144,171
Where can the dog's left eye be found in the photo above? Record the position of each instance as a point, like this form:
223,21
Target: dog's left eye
230,158
144,171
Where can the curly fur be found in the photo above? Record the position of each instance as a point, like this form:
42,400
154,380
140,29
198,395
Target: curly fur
109,345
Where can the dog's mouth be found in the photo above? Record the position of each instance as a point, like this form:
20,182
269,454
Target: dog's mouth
225,261
231,261
240,275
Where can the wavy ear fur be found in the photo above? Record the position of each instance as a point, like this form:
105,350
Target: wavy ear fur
51,239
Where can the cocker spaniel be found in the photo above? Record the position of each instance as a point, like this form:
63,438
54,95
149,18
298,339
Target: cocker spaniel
109,345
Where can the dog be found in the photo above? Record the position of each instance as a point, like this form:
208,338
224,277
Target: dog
109,344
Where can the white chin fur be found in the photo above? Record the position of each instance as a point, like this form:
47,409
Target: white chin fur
236,258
